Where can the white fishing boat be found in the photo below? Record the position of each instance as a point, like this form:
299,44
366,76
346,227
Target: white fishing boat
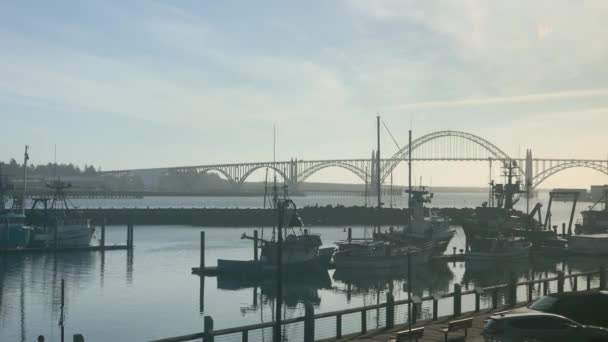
366,254
500,248
63,226
588,244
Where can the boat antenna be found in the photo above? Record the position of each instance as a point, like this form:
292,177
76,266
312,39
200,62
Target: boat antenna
26,157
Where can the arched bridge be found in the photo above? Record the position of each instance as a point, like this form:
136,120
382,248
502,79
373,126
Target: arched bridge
436,146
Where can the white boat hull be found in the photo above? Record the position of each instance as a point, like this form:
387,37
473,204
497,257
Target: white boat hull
70,235
513,254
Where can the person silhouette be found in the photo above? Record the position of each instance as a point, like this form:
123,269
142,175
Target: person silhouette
40,338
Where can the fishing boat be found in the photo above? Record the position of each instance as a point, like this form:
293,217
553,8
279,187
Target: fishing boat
594,221
62,224
588,244
13,231
500,248
368,255
300,250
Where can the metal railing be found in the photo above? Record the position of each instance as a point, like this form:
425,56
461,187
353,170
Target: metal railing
388,308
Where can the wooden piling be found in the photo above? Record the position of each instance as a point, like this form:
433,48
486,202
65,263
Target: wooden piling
478,293
563,229
338,325
255,245
350,234
102,241
363,321
202,261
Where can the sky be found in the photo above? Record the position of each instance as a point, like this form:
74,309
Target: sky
138,84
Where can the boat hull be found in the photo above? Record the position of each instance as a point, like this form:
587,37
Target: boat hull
395,262
512,254
594,244
14,236
70,235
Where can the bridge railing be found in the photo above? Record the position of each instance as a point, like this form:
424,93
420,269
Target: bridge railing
385,316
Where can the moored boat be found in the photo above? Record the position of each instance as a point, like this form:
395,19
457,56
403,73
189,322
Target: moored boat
365,255
588,244
500,248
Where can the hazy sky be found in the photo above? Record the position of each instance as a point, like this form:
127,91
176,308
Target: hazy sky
125,84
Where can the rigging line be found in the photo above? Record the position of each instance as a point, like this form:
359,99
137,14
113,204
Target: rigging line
391,135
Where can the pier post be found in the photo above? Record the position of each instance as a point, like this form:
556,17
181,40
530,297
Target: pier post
530,292
494,299
309,323
588,282
202,261
478,293
363,321
435,306
512,290
457,300
390,311
602,277
102,242
560,281
208,329
130,236
338,325
563,229
350,234
255,245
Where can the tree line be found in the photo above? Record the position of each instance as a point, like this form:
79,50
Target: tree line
12,168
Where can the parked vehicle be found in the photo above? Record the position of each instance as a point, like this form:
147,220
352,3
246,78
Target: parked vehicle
585,307
538,326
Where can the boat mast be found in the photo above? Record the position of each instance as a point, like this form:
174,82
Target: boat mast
378,177
26,157
409,181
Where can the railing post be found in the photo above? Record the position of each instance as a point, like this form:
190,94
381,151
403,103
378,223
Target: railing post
575,283
602,277
309,323
202,261
208,330
512,291
390,311
530,291
545,288
457,300
338,325
436,299
494,299
560,281
363,321
588,281
245,336
478,292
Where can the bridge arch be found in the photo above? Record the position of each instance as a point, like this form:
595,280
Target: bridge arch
255,168
545,174
401,155
218,169
305,174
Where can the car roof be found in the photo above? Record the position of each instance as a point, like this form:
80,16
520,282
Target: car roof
510,314
578,294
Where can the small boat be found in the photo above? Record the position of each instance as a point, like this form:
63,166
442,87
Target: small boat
366,255
500,248
63,226
588,244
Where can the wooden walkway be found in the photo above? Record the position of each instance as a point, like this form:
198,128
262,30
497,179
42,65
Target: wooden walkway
432,329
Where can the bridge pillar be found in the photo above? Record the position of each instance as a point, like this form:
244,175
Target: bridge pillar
293,173
529,174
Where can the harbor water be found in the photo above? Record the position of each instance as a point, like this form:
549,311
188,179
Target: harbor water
105,292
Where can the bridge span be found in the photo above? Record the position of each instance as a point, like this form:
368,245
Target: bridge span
452,146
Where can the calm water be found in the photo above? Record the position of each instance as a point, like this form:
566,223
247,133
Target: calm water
150,293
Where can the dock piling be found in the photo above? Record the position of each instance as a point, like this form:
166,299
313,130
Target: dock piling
130,236
390,311
560,281
363,321
255,245
350,234
102,241
563,229
338,325
202,261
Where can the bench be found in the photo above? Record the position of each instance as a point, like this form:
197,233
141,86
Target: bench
457,325
404,336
